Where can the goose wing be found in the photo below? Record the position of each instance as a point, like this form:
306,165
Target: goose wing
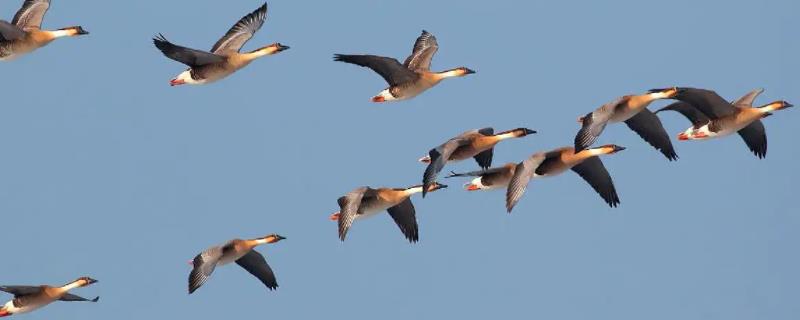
755,136
190,57
594,123
389,68
241,32
348,209
748,99
694,115
72,298
522,175
422,54
256,265
594,172
203,265
647,125
31,14
707,101
10,32
21,290
405,217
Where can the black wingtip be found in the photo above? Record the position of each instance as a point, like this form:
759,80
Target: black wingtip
95,299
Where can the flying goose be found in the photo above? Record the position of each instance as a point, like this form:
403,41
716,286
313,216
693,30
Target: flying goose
631,109
237,250
224,58
585,163
478,144
24,34
411,78
713,117
488,179
365,202
30,298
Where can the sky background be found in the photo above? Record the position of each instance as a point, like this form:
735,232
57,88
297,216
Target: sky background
107,171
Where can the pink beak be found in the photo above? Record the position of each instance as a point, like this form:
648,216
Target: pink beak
176,82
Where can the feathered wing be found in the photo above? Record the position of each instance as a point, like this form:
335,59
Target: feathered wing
241,32
594,123
75,298
439,157
256,265
694,115
748,99
594,172
203,266
522,176
477,173
187,56
707,101
647,125
755,136
21,290
31,14
10,32
388,68
405,217
422,54
348,210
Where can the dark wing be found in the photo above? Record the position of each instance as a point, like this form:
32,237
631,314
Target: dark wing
694,115
593,171
519,181
21,290
241,32
707,101
647,125
478,173
484,158
10,32
203,265
594,123
422,54
348,209
439,157
71,297
755,136
187,56
255,263
748,99
390,69
405,217
31,14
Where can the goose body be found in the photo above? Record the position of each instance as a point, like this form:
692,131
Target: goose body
411,78
365,202
30,298
477,144
237,250
631,109
24,33
714,117
586,163
224,58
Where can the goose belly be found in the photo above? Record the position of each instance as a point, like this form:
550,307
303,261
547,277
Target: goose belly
23,309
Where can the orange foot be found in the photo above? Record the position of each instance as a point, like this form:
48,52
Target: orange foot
378,99
472,187
335,216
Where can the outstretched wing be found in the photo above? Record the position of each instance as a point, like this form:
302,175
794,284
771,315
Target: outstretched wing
748,99
755,136
593,171
519,181
439,157
348,210
707,101
21,290
187,56
647,125
694,115
71,298
204,264
389,68
594,123
405,217
31,14
256,265
241,32
422,54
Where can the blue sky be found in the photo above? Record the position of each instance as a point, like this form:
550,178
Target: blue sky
108,171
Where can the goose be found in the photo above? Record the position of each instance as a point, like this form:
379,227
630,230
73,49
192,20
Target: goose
364,202
713,117
586,163
30,298
478,144
24,34
236,250
488,179
631,109
411,78
224,58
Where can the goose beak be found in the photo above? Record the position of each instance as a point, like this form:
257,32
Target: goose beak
468,71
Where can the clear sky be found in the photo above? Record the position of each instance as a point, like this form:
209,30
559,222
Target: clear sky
107,171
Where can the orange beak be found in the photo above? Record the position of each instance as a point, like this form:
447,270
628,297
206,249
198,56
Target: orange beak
472,187
378,99
176,82
335,216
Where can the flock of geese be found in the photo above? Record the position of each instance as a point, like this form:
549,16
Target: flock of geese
711,116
